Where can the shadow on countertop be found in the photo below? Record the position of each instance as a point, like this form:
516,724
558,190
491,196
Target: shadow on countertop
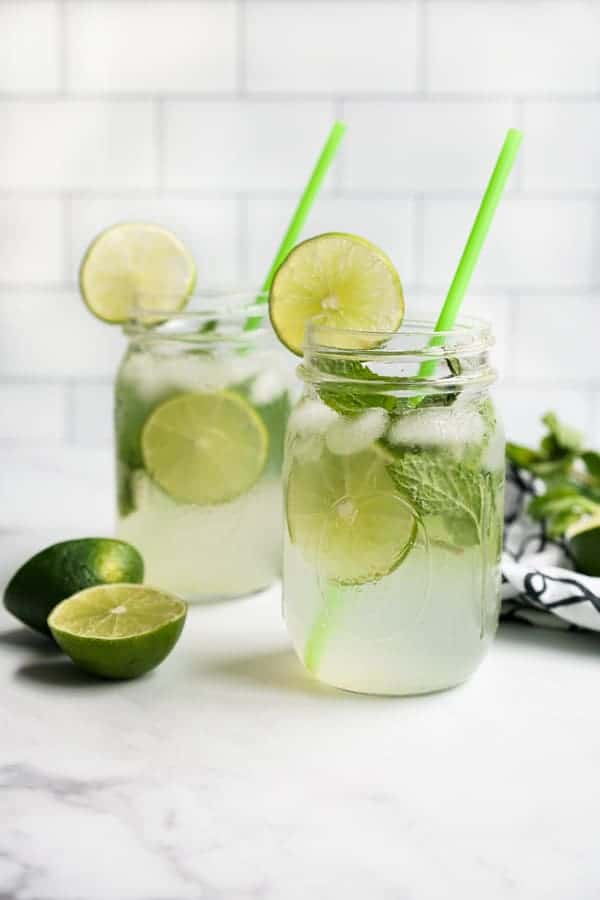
23,638
45,663
279,669
60,673
578,643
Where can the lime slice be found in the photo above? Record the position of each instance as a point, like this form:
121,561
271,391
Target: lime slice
118,630
343,279
584,546
205,448
347,519
136,263
62,569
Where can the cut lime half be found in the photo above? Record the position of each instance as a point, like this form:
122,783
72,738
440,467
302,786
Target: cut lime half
118,630
136,264
345,280
344,514
205,448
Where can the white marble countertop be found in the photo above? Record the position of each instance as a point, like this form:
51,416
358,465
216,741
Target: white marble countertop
228,774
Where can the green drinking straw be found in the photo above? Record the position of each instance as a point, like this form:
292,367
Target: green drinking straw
475,241
333,595
301,212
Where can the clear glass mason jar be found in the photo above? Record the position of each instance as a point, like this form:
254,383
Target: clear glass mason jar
200,414
394,482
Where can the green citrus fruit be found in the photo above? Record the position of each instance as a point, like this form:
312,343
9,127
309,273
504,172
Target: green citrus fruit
205,448
63,569
136,264
584,545
118,630
344,514
346,281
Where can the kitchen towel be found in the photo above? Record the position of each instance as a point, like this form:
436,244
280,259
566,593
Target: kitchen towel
539,584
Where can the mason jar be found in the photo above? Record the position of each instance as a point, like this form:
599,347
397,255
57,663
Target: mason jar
202,402
394,480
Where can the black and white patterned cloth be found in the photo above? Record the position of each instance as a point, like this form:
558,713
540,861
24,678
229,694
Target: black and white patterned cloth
539,585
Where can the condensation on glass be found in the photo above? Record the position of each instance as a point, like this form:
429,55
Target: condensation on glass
394,478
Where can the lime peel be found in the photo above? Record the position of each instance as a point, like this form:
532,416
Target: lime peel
343,279
118,630
136,263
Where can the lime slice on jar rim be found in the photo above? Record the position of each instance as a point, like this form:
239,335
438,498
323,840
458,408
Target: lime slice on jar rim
343,279
133,264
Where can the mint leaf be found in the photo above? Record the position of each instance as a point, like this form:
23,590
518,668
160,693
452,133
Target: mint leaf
438,485
591,460
561,506
360,392
521,456
561,439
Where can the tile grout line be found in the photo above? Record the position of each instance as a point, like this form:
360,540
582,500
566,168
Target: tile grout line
419,237
160,143
339,109
242,249
421,61
69,429
67,234
63,68
290,96
514,309
241,43
519,117
589,292
592,416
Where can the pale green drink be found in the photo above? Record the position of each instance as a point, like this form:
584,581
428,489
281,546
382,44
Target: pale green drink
201,410
394,495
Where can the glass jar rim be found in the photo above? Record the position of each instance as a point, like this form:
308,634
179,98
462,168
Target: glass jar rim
155,315
415,358
469,334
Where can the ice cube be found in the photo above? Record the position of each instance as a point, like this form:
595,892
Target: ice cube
307,426
312,417
266,387
495,454
431,427
348,436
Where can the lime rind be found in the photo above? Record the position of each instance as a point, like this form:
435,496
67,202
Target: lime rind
345,280
136,263
118,631
65,568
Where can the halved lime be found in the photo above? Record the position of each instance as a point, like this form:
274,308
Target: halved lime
205,448
118,630
62,569
345,516
134,263
345,280
584,545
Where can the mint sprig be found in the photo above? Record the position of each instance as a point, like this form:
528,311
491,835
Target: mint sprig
364,389
569,476
438,485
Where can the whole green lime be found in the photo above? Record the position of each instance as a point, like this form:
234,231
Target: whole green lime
64,569
584,545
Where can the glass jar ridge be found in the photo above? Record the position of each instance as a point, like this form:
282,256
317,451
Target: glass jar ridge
394,474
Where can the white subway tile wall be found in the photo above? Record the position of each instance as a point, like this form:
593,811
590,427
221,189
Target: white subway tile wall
206,115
